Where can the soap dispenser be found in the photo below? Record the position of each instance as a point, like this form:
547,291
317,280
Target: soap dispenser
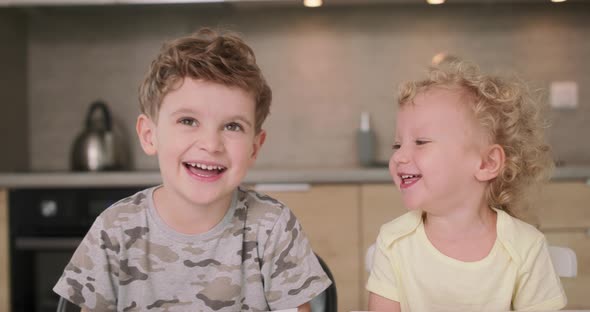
365,139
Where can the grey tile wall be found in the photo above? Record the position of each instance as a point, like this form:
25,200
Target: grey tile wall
325,67
14,129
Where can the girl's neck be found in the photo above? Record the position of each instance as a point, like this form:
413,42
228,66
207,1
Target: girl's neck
459,223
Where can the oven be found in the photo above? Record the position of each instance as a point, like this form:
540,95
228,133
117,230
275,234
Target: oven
46,226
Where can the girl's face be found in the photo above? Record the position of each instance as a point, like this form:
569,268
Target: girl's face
437,151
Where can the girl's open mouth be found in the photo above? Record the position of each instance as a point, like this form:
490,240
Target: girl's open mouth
408,180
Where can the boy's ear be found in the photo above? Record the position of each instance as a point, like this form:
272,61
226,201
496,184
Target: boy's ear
145,128
492,162
258,141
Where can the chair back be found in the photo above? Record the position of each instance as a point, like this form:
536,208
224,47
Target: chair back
369,258
564,261
65,306
327,301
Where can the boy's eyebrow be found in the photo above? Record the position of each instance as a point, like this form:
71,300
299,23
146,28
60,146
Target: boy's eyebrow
183,111
243,119
190,111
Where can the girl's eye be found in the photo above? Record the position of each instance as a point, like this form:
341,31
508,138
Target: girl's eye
421,142
234,126
396,146
191,122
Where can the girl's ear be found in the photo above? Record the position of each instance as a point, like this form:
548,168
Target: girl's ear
492,162
145,128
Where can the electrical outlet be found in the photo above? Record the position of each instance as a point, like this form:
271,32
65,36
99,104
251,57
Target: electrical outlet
564,94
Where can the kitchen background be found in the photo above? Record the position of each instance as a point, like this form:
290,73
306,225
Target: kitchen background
325,66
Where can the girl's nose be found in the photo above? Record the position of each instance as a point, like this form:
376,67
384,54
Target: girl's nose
400,156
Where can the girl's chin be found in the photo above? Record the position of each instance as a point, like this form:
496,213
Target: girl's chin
412,208
410,205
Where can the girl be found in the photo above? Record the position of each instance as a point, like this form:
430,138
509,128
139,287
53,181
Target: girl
467,147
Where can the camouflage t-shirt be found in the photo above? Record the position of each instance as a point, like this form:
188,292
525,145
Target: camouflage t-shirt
257,258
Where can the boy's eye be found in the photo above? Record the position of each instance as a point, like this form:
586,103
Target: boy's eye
234,126
188,122
421,142
396,146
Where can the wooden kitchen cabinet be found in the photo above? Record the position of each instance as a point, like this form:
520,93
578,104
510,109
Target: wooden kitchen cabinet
380,203
329,215
4,255
562,212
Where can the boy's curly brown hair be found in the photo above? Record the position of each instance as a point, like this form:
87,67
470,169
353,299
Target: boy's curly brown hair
507,109
210,56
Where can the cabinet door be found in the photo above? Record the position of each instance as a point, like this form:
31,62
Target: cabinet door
329,216
4,264
380,203
562,212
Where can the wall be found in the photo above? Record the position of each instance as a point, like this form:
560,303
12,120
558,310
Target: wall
325,66
14,130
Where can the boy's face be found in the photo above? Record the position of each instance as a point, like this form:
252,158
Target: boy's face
437,152
205,141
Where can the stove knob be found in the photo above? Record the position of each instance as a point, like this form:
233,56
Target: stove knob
48,208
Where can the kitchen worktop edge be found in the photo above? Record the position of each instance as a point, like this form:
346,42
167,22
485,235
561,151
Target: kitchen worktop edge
255,176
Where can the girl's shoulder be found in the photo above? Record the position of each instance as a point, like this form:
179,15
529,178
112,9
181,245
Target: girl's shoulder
517,236
400,227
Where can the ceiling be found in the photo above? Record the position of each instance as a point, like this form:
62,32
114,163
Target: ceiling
366,2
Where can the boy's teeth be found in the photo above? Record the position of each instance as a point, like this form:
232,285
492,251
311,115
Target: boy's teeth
205,167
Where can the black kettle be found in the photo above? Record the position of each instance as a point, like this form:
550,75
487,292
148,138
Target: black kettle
98,147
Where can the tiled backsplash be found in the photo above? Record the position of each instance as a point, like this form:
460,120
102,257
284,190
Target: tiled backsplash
13,111
325,67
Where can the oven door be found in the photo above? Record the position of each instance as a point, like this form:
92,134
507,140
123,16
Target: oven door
38,262
46,226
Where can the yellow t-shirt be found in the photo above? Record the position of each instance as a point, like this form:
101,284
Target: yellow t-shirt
516,275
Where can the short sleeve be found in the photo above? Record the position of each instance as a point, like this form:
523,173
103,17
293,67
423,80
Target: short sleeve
383,280
538,286
89,279
291,272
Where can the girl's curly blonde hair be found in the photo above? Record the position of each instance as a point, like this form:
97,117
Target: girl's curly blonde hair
507,109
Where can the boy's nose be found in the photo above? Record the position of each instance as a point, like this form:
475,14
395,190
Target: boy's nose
210,141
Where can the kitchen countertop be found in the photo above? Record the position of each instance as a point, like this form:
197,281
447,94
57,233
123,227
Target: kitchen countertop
258,176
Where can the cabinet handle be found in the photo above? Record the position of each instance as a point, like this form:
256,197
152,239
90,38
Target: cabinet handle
45,243
572,229
282,187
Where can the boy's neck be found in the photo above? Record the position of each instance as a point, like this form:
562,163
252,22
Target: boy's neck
188,218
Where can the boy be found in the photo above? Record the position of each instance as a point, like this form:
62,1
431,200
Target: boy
198,242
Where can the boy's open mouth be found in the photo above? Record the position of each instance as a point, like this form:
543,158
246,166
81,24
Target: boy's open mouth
204,170
408,179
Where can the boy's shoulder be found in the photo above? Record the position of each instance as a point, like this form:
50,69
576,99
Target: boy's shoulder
400,227
127,209
259,206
